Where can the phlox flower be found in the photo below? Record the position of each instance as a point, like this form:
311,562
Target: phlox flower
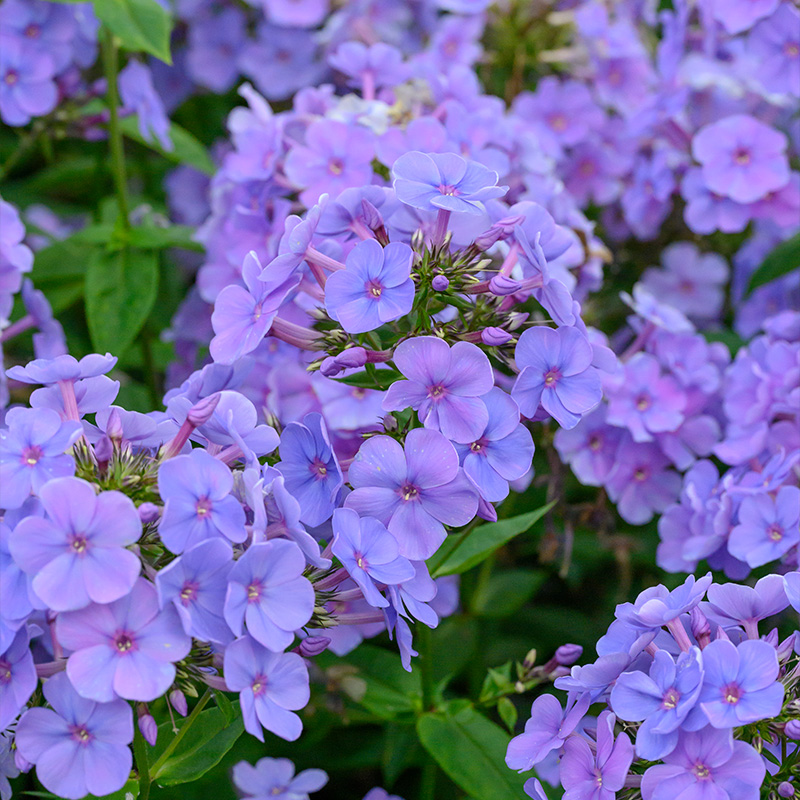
274,779
444,385
18,677
78,746
375,287
76,554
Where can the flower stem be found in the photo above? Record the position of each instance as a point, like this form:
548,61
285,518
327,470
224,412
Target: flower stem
425,665
110,65
170,749
142,767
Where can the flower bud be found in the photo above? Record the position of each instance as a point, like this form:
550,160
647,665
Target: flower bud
568,654
114,426
103,450
785,789
313,645
440,283
149,512
372,217
788,646
500,230
352,357
486,510
177,700
494,337
502,286
701,630
148,728
329,368
201,412
792,729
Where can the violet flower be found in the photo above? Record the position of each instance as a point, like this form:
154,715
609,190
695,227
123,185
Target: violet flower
274,779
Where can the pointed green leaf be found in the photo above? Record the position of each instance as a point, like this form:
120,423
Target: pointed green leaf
143,26
186,148
785,258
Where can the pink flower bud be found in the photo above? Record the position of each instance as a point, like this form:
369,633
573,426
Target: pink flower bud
494,337
792,729
201,412
502,286
440,283
313,645
114,426
329,368
568,654
785,789
149,512
103,450
352,357
177,700
148,728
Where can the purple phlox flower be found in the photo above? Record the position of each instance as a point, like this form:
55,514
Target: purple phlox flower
444,385
645,401
768,527
196,585
595,679
707,211
593,170
425,134
76,555
78,746
212,378
375,287
32,452
706,763
242,317
546,730
18,677
138,430
277,513
196,489
17,598
657,606
380,794
646,202
413,492
737,16
348,408
691,281
16,258
775,45
369,553
538,223
590,447
27,85
791,583
297,13
502,453
446,181
369,67
551,293
294,243
123,649
268,592
346,218
139,96
91,395
740,684
556,372
47,371
335,156
271,687
46,29
600,775
663,699
310,469
732,604
533,788
742,157
660,315
413,599
641,482
214,42
8,766
274,778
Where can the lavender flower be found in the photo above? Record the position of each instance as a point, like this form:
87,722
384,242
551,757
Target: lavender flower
18,677
139,96
27,88
444,386
274,779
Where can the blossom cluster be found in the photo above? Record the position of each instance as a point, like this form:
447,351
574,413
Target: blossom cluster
694,699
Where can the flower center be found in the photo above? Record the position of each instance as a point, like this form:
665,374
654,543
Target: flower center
189,592
203,507
31,455
254,591
335,166
595,442
5,672
80,734
742,156
374,290
409,492
11,77
360,560
436,392
123,642
558,122
318,468
731,694
642,402
775,532
587,169
78,543
670,699
447,189
257,312
551,376
792,49
640,474
259,685
478,447
702,772
32,31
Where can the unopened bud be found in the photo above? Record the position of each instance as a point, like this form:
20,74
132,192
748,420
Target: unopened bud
103,450
788,646
700,628
390,422
530,659
372,217
568,654
486,510
792,729
500,230
201,412
495,337
352,357
148,728
329,368
313,645
502,286
148,512
440,283
177,700
114,426
785,789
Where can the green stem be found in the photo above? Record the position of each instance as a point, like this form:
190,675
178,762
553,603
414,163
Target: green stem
146,341
190,720
142,767
110,65
425,665
427,788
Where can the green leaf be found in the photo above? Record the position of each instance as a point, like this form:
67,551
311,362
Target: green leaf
380,379
506,592
186,149
120,290
203,747
130,791
225,706
143,26
471,749
508,713
400,751
781,261
150,237
389,691
58,271
482,541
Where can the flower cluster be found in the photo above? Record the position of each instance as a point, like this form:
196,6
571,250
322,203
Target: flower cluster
694,699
